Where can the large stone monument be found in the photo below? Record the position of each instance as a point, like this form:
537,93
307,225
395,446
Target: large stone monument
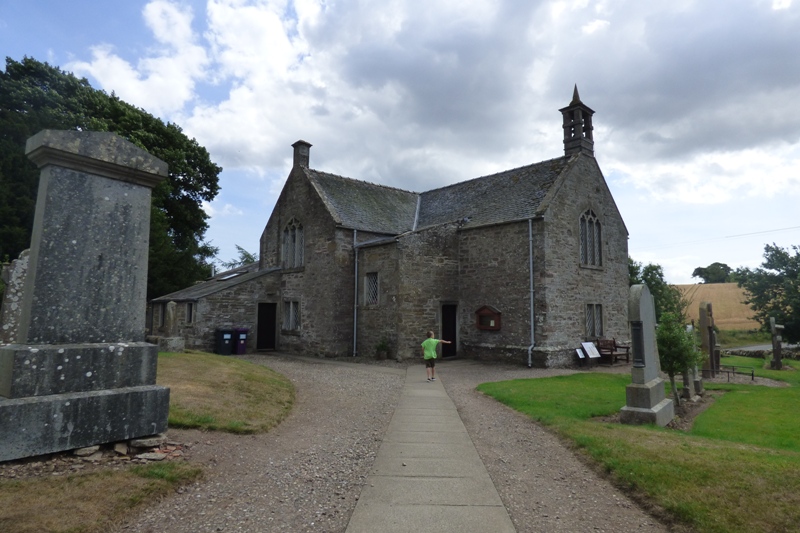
78,372
646,399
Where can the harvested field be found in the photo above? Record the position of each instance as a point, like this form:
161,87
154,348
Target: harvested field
730,311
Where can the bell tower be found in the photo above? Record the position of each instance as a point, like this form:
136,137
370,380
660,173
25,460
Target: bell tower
577,127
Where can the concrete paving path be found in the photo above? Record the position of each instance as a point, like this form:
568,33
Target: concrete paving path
427,475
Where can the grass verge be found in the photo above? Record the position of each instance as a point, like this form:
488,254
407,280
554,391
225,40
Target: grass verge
207,392
86,503
733,338
737,470
213,392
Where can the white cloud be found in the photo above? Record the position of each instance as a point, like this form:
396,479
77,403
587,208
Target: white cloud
214,210
164,81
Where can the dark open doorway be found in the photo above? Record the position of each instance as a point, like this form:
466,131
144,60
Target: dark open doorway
449,329
267,320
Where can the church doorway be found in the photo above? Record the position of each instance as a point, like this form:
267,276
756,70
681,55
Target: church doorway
450,330
267,326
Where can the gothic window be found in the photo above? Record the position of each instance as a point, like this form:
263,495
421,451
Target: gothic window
591,240
371,289
293,244
594,320
291,315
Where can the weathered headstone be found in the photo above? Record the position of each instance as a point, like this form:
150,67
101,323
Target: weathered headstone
708,340
646,399
78,372
777,357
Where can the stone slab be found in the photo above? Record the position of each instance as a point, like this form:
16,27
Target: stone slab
428,450
59,422
427,466
661,414
431,427
397,490
39,370
645,396
429,518
454,437
426,403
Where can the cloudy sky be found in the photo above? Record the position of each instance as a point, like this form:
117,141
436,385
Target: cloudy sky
697,127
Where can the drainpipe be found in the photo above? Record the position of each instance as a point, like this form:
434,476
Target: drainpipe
355,294
530,271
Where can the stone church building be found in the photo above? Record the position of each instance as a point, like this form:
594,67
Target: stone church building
522,265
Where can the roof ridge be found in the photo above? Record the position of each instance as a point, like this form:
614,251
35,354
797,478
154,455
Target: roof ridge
458,183
371,183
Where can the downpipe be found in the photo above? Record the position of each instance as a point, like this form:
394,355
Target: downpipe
530,272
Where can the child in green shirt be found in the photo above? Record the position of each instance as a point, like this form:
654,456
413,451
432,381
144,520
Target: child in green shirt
429,355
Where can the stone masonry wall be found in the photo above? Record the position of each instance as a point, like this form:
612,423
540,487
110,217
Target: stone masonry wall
494,271
324,285
236,307
569,286
378,322
428,268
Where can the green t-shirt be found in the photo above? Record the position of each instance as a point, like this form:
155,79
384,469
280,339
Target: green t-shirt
429,345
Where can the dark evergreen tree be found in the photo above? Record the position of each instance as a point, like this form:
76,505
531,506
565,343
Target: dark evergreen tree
36,96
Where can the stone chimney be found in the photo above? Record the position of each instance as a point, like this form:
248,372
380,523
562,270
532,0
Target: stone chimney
577,127
301,150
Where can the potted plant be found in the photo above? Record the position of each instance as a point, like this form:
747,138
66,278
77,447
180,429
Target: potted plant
382,350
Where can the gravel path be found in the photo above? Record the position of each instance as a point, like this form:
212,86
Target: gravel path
306,474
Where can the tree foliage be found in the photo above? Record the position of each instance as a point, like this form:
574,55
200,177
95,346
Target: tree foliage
36,96
713,273
666,297
774,289
245,258
677,349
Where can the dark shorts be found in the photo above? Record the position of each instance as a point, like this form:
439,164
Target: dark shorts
430,363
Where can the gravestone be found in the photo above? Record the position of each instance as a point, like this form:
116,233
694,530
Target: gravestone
777,358
708,340
171,342
646,401
78,372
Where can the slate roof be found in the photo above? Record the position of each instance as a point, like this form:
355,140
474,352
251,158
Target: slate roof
365,206
510,195
220,282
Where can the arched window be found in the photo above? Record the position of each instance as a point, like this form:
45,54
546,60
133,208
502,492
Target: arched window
591,240
293,244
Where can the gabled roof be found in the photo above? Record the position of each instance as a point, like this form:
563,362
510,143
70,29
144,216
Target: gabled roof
365,206
220,282
503,197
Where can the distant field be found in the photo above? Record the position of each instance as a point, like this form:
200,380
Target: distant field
727,300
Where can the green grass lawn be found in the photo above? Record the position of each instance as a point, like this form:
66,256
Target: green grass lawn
736,470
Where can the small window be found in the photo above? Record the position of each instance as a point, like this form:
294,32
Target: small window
291,316
189,312
487,318
591,240
594,320
371,290
162,315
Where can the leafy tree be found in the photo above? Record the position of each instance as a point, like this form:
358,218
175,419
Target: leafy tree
36,96
245,258
677,349
774,289
713,273
666,297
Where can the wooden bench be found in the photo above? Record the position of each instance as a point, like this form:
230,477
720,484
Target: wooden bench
613,352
